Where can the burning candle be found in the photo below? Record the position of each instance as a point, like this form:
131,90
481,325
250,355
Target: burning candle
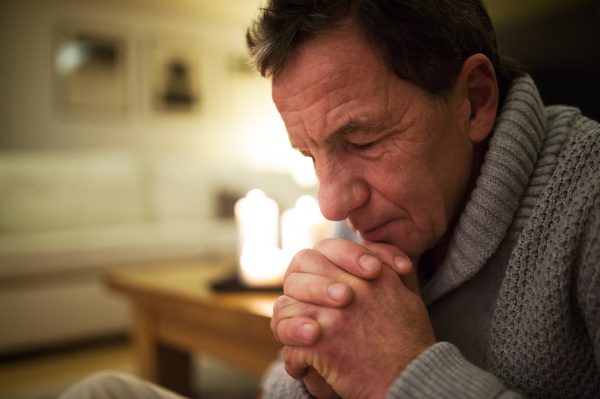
261,261
302,226
262,265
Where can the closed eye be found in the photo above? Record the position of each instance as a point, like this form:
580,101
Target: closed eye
364,146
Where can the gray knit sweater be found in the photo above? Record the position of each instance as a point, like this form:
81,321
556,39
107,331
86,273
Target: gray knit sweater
532,230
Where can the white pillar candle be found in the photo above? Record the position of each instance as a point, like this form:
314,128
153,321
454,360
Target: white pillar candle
302,226
262,265
257,220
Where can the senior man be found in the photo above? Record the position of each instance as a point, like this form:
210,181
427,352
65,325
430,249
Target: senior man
441,155
478,270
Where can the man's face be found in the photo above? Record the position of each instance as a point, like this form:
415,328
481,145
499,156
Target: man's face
388,158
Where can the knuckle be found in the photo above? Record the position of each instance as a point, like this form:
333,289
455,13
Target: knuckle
325,242
301,255
299,258
335,318
281,303
287,353
291,284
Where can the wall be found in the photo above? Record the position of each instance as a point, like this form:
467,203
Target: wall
235,104
88,189
236,129
560,51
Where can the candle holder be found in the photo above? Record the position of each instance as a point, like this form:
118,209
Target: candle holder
234,284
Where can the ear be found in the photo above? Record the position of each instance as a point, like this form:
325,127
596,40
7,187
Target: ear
477,81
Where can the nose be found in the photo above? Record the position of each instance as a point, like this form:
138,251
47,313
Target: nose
342,189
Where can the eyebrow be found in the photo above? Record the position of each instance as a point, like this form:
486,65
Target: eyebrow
349,127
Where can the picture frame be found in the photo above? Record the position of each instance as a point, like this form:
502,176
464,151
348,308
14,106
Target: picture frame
90,70
175,76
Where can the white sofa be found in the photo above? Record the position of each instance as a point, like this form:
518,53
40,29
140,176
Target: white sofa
67,218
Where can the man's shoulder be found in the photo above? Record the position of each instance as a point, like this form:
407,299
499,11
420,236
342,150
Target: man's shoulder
575,140
570,158
577,128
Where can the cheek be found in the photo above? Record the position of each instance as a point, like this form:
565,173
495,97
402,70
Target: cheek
452,166
405,171
448,178
398,185
411,182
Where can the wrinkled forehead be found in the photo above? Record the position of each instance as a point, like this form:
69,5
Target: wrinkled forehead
327,63
308,84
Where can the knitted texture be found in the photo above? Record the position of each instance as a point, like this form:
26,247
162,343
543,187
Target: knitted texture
545,338
546,323
510,160
539,187
441,372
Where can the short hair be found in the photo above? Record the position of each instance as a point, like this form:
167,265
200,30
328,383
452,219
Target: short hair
425,42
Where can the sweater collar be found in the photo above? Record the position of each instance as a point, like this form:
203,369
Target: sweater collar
513,150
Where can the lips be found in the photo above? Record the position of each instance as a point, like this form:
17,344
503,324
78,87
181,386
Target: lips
381,226
374,232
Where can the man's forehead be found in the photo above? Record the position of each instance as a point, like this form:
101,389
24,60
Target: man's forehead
299,86
326,60
329,88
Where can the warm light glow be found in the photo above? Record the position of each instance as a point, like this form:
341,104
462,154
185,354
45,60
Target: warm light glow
303,170
261,306
256,196
259,136
268,148
262,265
308,210
302,226
257,218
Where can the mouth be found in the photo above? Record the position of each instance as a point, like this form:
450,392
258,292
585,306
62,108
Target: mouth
375,233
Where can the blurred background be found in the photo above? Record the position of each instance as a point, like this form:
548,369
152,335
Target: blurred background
129,128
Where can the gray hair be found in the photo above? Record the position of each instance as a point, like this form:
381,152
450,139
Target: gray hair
423,41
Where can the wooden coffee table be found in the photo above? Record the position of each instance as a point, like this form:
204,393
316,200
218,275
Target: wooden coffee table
175,312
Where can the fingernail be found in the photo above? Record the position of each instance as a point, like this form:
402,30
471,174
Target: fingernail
403,263
306,331
368,262
336,291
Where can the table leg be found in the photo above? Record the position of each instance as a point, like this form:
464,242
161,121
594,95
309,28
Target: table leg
144,335
157,362
174,369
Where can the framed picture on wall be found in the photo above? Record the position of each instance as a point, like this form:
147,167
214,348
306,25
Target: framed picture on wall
175,77
90,70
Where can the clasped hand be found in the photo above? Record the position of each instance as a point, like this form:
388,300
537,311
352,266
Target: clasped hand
351,318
